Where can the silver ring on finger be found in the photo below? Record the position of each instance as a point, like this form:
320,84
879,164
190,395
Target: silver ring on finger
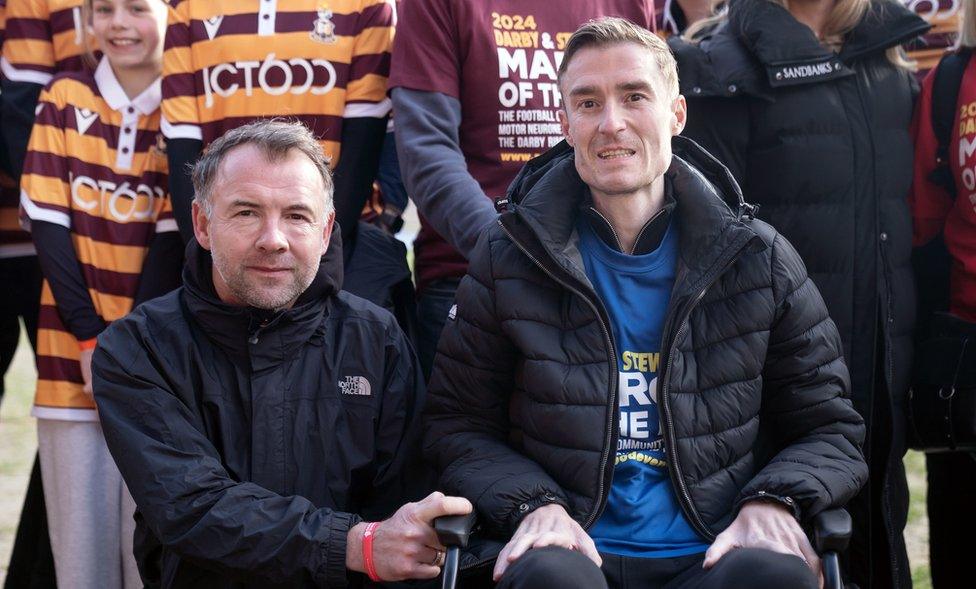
439,558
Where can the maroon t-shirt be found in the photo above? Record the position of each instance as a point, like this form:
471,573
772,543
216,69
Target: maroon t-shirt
499,59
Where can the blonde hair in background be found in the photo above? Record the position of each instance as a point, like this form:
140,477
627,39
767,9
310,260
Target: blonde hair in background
967,24
91,46
845,15
611,30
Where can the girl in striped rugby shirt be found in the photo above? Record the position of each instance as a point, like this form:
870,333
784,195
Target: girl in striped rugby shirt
94,194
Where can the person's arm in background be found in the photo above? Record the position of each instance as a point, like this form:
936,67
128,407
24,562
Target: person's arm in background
162,268
62,269
366,112
434,170
362,142
930,203
181,120
426,101
27,65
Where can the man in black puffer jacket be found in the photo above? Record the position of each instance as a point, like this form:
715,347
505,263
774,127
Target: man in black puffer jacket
633,371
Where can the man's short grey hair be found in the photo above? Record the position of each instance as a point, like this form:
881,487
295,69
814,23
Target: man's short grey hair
276,138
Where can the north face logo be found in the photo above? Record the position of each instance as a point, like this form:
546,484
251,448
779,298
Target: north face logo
355,385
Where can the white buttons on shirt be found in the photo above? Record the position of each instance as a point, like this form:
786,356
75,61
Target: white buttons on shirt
267,11
127,139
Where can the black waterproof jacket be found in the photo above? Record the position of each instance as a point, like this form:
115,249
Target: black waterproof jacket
252,442
522,407
820,141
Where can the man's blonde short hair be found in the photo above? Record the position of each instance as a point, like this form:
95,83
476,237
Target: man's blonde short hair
612,30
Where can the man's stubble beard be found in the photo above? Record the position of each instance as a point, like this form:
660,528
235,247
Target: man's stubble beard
235,277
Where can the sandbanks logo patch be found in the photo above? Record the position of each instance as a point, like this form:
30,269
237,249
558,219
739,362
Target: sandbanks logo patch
355,385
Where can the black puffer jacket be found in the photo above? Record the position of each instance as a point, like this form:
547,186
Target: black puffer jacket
252,442
523,398
820,140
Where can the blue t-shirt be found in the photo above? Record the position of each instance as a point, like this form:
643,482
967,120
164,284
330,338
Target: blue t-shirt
642,517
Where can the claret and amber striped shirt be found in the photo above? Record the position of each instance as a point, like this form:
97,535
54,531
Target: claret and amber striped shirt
14,241
96,164
43,37
228,62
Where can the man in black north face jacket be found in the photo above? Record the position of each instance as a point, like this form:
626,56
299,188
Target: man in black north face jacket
258,415
632,370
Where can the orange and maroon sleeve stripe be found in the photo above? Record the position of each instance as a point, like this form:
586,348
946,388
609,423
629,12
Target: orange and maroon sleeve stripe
369,69
44,183
181,119
28,52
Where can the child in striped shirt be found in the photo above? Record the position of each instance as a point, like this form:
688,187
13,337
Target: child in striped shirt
94,192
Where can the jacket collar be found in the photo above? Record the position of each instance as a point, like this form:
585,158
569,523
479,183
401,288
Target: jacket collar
548,192
111,90
790,52
235,329
648,238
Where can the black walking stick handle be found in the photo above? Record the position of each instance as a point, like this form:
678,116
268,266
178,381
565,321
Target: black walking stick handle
453,531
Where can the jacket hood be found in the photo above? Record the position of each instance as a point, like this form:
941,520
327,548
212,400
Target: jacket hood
548,192
232,327
787,51
771,33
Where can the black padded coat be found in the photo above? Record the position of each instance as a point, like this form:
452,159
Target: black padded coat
253,441
820,141
522,402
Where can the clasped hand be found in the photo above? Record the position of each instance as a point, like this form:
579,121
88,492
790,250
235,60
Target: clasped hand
406,546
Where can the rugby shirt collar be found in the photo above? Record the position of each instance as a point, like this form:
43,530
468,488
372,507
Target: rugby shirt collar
108,86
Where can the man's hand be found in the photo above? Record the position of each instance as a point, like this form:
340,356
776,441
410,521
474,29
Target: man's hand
762,524
406,546
549,525
86,375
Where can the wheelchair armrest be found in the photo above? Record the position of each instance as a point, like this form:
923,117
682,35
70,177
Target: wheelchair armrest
454,530
831,530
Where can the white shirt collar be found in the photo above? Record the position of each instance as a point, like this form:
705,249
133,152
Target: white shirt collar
108,85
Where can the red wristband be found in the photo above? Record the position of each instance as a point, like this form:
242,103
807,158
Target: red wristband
88,344
368,535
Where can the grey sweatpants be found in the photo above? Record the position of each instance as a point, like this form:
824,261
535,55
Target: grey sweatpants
89,510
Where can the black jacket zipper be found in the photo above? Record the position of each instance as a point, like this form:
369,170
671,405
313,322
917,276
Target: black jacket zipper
674,470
